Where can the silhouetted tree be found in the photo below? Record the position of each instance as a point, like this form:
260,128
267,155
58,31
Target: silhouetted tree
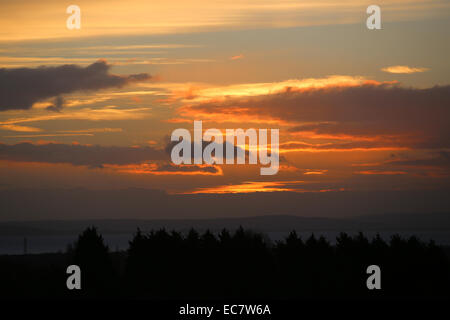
92,255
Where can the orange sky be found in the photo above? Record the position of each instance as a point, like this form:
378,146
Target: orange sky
356,109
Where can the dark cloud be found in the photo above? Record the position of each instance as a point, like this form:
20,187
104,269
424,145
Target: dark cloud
168,167
96,156
20,88
236,152
418,118
171,144
438,160
57,106
127,159
79,155
435,164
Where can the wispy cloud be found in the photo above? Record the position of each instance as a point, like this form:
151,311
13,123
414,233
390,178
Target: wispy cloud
105,113
195,92
384,173
237,57
163,169
94,130
60,133
12,127
158,16
261,186
49,135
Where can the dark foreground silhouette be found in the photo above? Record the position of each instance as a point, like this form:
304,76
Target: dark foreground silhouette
242,264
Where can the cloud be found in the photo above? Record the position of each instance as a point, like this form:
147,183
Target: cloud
50,135
201,16
260,186
438,160
201,92
237,149
295,146
167,168
105,113
372,112
380,172
94,130
403,69
20,88
237,57
79,155
16,128
132,160
57,106
436,164
315,171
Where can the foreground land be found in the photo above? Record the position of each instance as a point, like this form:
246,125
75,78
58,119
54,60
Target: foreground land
240,264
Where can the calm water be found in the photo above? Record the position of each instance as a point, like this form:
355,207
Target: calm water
58,243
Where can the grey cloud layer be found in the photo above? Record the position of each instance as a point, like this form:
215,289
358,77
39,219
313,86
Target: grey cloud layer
20,88
82,155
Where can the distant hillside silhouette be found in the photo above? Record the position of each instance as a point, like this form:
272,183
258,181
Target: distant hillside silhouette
269,223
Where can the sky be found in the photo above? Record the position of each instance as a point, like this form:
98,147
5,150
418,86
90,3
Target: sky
358,110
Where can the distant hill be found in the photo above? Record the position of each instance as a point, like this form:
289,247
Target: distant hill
269,223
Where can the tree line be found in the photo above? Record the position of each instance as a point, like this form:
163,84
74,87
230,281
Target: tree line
241,264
